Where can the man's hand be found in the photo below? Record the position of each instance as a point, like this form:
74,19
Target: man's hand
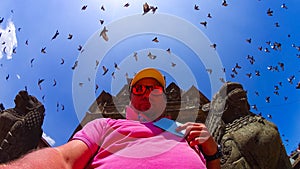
198,134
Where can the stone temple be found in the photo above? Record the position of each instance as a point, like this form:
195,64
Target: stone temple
248,141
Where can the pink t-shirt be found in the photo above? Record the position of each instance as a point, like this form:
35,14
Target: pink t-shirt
131,144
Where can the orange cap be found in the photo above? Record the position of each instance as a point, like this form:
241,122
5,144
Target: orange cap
151,73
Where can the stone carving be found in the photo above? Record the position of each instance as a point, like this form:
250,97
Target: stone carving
247,140
20,127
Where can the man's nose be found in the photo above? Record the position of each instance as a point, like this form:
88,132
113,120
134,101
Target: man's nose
147,93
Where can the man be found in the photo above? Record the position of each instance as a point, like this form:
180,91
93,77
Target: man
134,142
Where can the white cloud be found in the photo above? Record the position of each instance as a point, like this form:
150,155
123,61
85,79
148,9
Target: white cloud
8,40
48,139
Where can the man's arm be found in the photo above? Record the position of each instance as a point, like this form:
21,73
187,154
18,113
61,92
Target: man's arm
197,134
74,154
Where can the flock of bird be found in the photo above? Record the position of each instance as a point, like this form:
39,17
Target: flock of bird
231,72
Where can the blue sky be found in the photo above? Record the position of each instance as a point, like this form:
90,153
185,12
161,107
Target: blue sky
229,27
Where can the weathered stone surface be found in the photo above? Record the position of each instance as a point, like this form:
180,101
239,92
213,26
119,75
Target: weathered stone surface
249,141
20,127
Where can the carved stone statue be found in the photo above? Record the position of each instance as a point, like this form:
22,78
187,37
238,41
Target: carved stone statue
248,141
20,127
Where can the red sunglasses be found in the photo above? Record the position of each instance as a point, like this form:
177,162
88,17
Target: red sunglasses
141,89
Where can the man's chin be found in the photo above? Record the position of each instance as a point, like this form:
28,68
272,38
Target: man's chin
144,108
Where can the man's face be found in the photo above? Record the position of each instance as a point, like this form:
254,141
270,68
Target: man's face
140,93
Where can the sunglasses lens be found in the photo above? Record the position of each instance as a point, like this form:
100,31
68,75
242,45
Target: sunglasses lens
141,89
157,90
138,90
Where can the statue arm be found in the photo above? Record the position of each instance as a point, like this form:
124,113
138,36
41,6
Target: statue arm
74,154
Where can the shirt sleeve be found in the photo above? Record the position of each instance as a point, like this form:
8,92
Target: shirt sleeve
92,134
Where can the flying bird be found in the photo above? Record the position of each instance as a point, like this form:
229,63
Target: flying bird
55,35
237,66
79,48
169,50
7,77
40,81
113,75
43,50
224,3
126,5
196,7
257,73
222,80
291,78
147,8
251,59
281,65
105,70
267,99
62,61
43,98
214,46
249,75
57,106
153,9
84,7
270,12
234,71
269,116
204,23
249,40
4,50
173,64
298,85
103,34
101,21
54,82
284,6
97,63
254,107
135,56
155,39
116,66
75,65
96,88
151,56
209,70
209,15
70,36
102,8
26,42
31,62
